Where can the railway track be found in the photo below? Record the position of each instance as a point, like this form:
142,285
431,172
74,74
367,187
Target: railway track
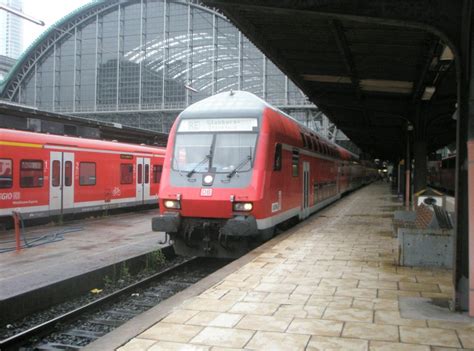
81,326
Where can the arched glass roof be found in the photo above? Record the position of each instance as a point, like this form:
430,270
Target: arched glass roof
140,62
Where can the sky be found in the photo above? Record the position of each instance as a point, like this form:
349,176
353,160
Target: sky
48,11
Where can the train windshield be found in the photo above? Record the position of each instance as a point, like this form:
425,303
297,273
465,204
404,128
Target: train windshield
214,152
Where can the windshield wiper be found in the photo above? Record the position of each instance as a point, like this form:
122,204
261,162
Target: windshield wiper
241,164
191,172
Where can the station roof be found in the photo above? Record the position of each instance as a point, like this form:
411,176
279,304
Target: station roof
372,67
107,130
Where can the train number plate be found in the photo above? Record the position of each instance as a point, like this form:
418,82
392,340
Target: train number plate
206,192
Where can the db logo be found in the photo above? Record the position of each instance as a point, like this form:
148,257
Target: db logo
206,192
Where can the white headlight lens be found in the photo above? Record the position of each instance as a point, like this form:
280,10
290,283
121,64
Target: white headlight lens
172,204
243,206
208,179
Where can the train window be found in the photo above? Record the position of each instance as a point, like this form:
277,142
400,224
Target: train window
31,173
140,174
157,169
68,173
147,174
451,162
126,173
6,173
87,173
304,139
295,163
278,156
56,174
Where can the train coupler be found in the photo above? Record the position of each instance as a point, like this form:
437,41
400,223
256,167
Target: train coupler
206,238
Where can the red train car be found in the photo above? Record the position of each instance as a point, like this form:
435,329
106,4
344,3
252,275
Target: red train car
43,175
236,167
441,174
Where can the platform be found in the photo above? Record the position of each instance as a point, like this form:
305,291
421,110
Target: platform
329,283
93,243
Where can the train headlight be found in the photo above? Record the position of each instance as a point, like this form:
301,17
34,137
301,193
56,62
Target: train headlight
243,206
208,179
174,204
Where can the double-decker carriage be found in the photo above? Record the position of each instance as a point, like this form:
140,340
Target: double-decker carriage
236,167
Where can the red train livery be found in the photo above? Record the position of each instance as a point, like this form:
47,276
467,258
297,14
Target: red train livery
43,175
441,173
236,167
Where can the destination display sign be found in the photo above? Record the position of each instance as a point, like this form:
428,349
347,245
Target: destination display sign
218,125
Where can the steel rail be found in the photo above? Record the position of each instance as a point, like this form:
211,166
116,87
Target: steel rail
49,326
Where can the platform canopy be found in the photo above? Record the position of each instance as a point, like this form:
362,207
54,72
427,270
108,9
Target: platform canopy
372,66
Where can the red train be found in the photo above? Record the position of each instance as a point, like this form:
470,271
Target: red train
441,174
236,167
43,175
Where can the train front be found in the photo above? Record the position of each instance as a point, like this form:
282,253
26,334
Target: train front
209,189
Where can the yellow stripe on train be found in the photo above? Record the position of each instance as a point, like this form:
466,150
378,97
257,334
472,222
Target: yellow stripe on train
14,143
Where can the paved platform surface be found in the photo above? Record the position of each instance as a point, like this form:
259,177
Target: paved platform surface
100,242
333,283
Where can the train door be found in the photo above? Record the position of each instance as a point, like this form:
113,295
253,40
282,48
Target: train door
143,179
61,194
306,190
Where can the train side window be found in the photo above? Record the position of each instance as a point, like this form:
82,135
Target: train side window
56,178
278,155
304,139
147,174
68,173
87,173
451,163
140,174
295,163
126,173
157,169
6,173
31,173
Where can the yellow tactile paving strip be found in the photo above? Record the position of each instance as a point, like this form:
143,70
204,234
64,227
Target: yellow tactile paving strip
333,284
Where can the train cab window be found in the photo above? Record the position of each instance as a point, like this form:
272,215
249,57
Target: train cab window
140,174
295,163
6,173
31,173
157,169
278,158
126,173
147,174
56,174
87,173
68,173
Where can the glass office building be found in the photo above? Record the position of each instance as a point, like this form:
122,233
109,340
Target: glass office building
140,62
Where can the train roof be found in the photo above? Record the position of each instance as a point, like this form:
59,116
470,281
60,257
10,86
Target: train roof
233,103
238,103
9,135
